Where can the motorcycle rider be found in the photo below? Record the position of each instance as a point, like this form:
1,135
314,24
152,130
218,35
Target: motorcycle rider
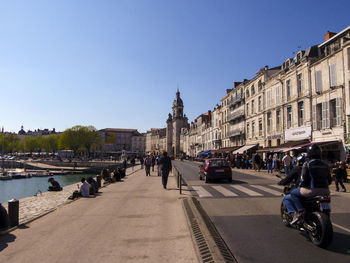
315,180
294,179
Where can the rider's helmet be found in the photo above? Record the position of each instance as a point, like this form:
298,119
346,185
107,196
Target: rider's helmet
314,152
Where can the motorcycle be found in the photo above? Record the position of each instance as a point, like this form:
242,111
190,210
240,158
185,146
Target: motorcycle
315,221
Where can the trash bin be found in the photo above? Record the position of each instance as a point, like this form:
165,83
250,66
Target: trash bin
13,210
4,219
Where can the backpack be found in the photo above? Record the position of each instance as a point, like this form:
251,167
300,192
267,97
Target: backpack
148,161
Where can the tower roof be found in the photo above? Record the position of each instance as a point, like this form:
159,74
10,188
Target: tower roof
178,101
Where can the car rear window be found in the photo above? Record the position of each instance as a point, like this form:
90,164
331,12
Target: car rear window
218,163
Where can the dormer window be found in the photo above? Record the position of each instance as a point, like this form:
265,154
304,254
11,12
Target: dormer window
252,90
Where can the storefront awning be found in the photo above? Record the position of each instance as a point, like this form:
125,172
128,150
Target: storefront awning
227,149
285,147
244,148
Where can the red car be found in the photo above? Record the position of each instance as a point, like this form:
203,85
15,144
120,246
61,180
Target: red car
215,168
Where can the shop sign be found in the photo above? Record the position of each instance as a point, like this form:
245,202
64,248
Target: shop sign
296,134
327,133
274,137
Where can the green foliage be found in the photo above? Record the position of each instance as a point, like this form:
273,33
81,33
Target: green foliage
80,138
9,142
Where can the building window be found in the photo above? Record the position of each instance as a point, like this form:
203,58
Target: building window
247,94
247,108
259,85
253,110
332,75
288,91
259,104
252,90
278,142
289,117
260,127
269,143
335,112
348,50
248,130
300,83
320,116
253,128
278,120
318,81
300,113
268,98
269,121
278,95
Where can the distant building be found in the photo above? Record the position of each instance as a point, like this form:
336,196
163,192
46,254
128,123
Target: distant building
115,141
175,123
37,132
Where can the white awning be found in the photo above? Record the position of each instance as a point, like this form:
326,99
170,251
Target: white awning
244,148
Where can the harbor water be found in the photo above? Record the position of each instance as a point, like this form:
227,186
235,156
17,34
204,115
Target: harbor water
21,188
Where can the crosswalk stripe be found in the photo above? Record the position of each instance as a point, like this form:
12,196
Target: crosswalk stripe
246,190
201,191
224,191
279,187
265,189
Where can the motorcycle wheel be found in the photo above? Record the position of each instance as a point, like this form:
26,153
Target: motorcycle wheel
286,218
322,234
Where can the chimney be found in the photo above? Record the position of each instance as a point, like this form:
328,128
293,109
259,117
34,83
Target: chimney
236,83
329,35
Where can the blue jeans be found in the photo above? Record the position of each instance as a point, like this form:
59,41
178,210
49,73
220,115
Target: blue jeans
287,170
269,168
293,200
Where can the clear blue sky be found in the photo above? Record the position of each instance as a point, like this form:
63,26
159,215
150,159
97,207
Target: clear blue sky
118,63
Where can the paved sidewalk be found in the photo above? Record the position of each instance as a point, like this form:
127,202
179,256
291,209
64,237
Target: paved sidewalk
131,221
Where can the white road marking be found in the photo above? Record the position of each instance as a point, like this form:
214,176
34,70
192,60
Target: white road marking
268,190
246,190
224,191
201,191
341,227
280,187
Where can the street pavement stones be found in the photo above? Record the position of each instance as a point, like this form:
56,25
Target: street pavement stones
131,221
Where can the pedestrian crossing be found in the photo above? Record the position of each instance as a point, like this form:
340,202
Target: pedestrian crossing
234,190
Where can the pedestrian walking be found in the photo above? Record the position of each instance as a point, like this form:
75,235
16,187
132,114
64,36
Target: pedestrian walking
133,162
141,162
287,160
269,162
148,163
153,162
257,160
166,167
340,173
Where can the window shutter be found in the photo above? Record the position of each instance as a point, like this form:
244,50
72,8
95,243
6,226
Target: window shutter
314,117
332,75
327,114
338,111
323,115
318,81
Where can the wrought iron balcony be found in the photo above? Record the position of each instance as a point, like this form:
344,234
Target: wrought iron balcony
235,132
235,99
236,113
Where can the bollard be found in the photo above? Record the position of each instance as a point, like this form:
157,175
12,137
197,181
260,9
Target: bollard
4,219
13,209
98,179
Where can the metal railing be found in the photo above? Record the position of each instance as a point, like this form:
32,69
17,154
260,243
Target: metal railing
179,180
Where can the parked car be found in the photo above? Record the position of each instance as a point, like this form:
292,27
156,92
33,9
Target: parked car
215,168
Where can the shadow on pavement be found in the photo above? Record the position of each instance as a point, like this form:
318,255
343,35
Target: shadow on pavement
4,240
340,243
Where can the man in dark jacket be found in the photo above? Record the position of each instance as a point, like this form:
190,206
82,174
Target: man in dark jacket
166,167
315,180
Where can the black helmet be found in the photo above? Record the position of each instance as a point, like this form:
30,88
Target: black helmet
314,152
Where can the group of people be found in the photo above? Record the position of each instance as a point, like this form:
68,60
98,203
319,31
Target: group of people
163,164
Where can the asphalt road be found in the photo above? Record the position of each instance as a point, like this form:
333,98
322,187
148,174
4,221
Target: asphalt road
246,214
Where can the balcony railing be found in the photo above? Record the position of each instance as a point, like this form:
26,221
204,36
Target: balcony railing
235,132
236,113
234,99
